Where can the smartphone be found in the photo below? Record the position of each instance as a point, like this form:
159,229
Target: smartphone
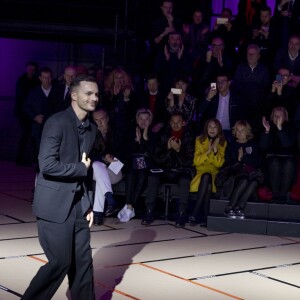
278,78
156,170
176,91
213,85
222,21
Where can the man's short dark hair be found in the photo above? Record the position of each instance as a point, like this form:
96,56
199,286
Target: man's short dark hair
266,8
228,10
45,70
77,80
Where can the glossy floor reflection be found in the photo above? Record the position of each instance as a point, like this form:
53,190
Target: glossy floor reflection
155,262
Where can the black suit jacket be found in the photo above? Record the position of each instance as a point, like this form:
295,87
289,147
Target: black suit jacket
37,103
61,169
58,101
208,109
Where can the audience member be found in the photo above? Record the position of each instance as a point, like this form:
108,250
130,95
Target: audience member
25,83
278,143
282,94
155,100
243,158
251,85
174,155
265,35
60,96
165,24
208,159
105,152
195,35
141,149
120,103
290,59
230,31
221,103
172,62
288,13
37,107
179,100
217,61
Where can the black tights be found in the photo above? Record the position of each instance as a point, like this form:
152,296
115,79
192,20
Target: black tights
242,191
281,174
203,195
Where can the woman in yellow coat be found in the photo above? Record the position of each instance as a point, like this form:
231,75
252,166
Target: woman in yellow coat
208,159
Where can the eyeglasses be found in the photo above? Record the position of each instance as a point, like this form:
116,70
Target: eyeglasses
217,45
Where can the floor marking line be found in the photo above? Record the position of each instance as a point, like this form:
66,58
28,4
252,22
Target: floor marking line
275,279
195,283
244,271
9,291
115,290
38,259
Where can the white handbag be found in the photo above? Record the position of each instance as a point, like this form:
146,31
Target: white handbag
125,214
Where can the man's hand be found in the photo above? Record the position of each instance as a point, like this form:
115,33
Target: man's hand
167,53
180,52
212,92
90,217
86,160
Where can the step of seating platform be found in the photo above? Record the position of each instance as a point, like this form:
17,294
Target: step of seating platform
260,218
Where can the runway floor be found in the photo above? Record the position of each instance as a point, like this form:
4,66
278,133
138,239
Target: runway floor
155,262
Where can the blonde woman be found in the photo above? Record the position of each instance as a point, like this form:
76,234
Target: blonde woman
242,152
278,141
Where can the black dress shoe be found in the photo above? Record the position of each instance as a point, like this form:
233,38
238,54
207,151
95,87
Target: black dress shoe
192,221
148,219
110,210
98,218
180,220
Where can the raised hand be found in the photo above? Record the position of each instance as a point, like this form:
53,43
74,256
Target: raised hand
167,53
266,124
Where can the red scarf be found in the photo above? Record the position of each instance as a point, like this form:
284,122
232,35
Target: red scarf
177,134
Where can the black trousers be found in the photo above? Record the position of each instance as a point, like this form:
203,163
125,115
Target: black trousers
67,247
155,179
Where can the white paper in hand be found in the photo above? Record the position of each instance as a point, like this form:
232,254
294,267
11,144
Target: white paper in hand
116,166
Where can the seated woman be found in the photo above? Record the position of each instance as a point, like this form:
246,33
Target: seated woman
278,142
243,155
208,159
178,100
141,143
105,151
119,101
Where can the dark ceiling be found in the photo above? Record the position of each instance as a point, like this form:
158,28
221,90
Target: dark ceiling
83,20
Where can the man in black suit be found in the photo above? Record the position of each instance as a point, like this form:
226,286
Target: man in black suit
63,197
37,107
60,96
221,103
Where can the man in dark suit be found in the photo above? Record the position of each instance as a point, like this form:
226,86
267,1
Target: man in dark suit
62,198
60,97
221,103
37,107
